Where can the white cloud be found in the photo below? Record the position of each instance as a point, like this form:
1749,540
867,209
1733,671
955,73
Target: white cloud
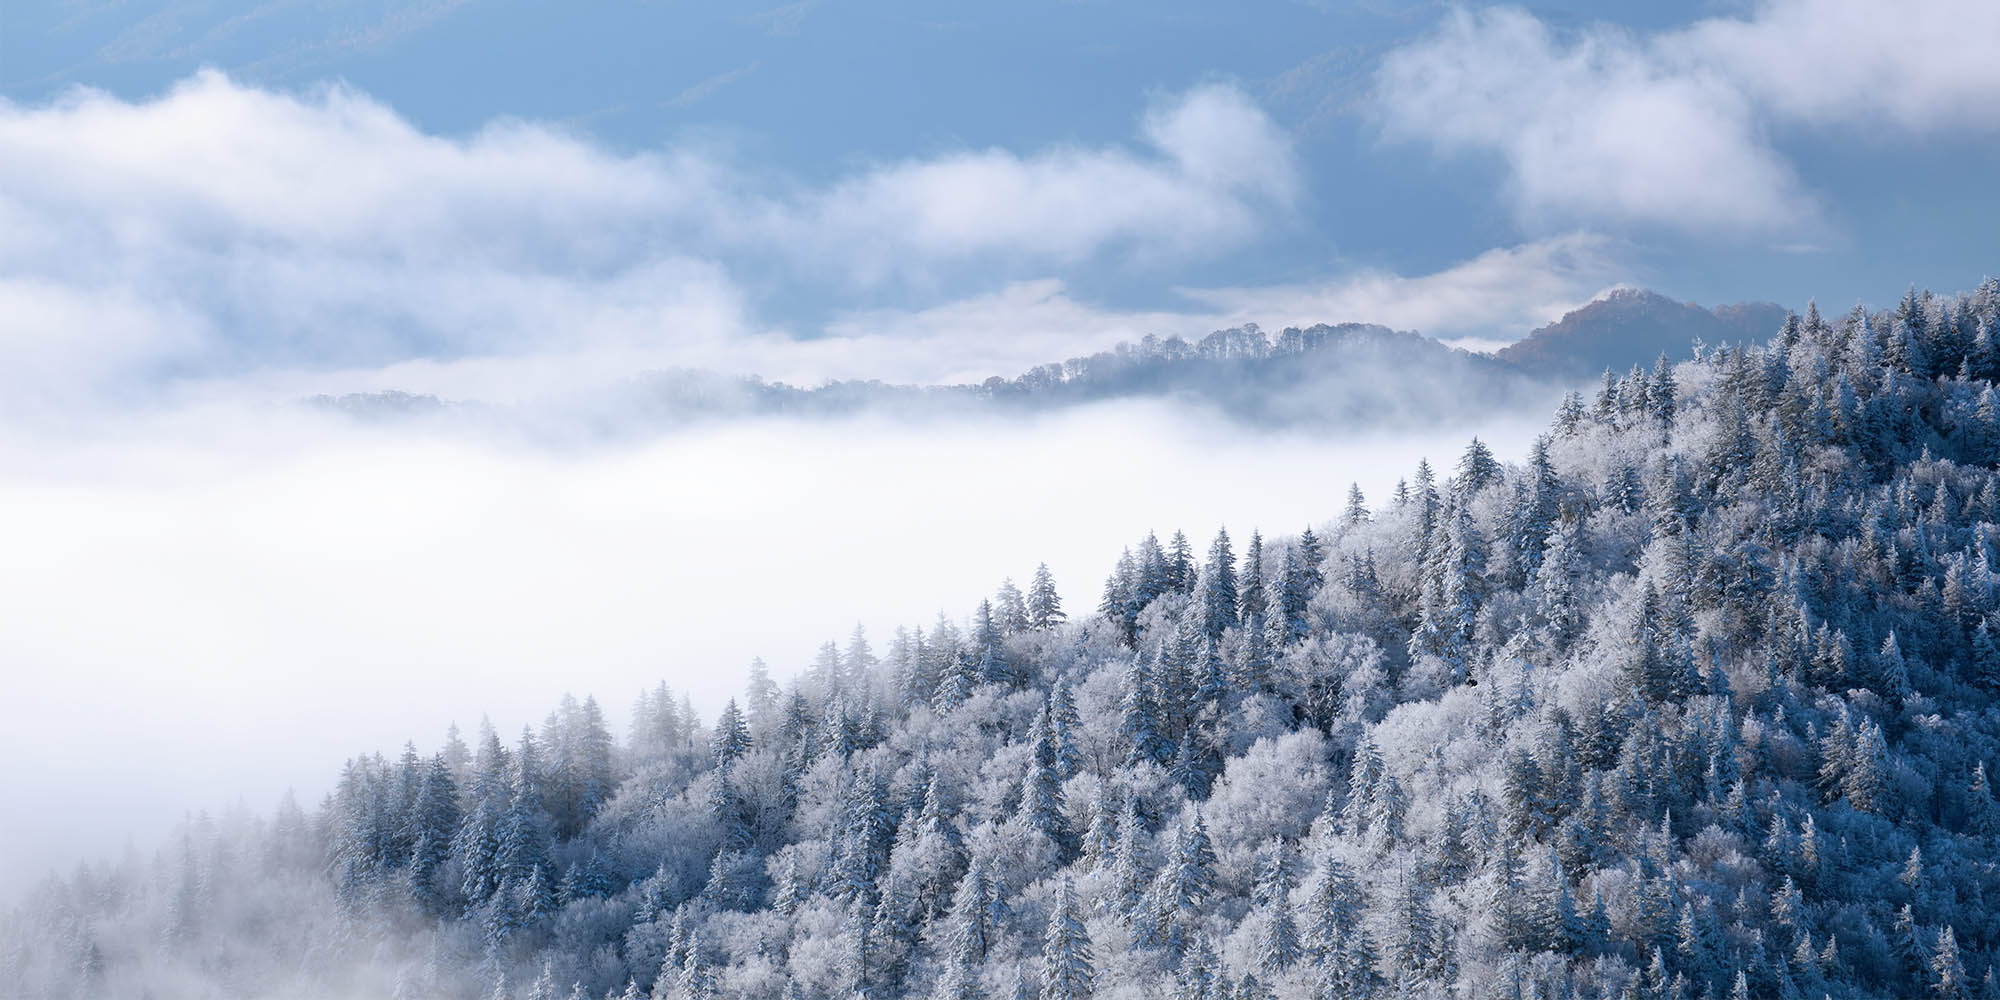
1485,302
1596,129
1919,65
223,239
225,229
1220,166
999,333
1479,304
1493,298
222,228
1674,129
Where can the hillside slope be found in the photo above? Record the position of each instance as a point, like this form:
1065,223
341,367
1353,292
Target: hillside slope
1634,327
1352,376
1699,700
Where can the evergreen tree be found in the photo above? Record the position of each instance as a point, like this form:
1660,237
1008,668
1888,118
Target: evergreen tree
1413,932
1180,565
1139,723
761,696
732,737
544,986
536,896
1132,873
1357,507
857,952
1066,957
1044,604
434,823
1185,881
1333,905
1948,979
1253,599
1042,802
992,653
960,980
1866,781
1280,949
1559,580
1219,595
1123,598
1011,606
1477,469
1064,727
968,928
858,663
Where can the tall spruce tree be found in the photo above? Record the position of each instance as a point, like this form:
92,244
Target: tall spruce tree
1067,963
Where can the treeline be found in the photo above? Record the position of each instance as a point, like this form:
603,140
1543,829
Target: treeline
1351,375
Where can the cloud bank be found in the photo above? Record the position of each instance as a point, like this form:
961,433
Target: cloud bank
1494,297
1676,129
206,608
225,239
223,230
1491,299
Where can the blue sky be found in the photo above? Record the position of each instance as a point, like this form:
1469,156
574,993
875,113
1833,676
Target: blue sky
1717,152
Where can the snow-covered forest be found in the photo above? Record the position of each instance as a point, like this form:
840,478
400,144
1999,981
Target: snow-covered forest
1699,700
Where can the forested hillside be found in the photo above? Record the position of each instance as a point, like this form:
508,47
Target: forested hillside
1354,376
1699,700
1633,325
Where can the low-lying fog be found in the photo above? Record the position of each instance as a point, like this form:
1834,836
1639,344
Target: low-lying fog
208,610
213,593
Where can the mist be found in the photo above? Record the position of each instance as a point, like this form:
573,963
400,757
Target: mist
219,594
213,607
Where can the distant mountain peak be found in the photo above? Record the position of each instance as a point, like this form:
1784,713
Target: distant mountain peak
1633,326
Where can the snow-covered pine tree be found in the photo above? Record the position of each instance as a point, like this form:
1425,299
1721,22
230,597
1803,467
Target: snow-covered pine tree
1068,972
1045,609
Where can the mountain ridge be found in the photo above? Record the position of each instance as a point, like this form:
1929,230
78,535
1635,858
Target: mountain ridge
1345,374
1633,326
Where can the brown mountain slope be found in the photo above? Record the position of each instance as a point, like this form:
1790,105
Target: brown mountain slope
1634,326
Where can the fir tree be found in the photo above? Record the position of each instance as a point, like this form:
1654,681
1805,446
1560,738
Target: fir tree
1044,604
1132,872
1253,598
1139,723
1280,947
434,823
1066,956
1219,595
1011,607
1042,804
732,736
1180,565
1357,507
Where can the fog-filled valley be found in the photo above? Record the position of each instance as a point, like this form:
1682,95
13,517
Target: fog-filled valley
290,585
1687,690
